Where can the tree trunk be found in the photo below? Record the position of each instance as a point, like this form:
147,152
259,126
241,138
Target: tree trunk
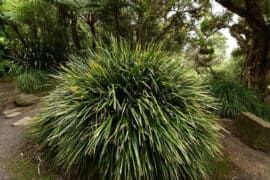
257,65
75,35
91,20
93,31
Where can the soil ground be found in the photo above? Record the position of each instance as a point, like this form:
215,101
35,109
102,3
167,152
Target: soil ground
11,139
251,164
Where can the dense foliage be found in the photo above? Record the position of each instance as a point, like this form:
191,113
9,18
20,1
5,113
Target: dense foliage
129,112
36,35
8,68
43,33
232,68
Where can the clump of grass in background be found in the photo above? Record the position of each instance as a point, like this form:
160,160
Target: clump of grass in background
128,113
265,112
232,95
34,81
235,97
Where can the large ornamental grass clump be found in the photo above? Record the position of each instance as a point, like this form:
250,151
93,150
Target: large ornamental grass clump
128,113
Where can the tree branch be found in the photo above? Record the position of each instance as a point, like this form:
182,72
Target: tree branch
176,16
233,7
236,30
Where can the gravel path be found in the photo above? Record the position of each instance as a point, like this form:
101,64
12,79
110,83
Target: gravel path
10,138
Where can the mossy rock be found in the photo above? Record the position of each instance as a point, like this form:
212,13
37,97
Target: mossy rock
254,130
26,99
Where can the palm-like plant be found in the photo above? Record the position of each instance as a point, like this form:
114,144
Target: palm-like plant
132,113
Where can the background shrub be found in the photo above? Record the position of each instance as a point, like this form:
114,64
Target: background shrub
34,81
231,68
235,98
7,68
129,113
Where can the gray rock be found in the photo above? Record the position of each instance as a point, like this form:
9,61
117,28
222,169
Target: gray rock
9,111
254,130
13,114
23,121
26,99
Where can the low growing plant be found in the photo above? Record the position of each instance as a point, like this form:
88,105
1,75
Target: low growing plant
129,113
34,81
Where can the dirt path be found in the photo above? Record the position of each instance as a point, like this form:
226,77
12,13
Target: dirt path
12,137
253,164
249,163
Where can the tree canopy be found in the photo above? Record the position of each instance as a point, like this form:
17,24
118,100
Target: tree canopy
43,33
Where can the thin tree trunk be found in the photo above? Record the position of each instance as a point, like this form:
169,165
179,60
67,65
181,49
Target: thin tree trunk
116,17
75,35
93,31
91,20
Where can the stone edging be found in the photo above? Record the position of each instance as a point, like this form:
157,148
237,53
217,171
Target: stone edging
254,130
